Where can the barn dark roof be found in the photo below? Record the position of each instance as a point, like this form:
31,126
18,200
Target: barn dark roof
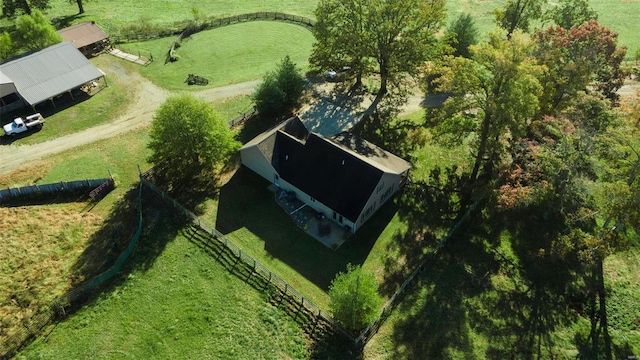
326,172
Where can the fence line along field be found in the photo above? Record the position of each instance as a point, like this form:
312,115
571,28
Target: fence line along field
176,302
39,248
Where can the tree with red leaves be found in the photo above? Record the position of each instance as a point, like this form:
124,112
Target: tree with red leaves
575,58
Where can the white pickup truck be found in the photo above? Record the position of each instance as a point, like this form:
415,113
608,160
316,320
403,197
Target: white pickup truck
19,125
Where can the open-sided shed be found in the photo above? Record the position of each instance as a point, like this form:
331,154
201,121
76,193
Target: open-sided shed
87,37
50,72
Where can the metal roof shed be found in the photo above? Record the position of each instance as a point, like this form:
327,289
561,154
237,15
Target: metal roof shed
45,74
86,36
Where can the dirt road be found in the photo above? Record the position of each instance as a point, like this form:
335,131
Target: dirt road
148,98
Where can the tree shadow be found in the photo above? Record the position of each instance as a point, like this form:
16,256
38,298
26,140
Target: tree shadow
61,22
334,112
255,126
434,315
394,135
542,294
246,203
107,244
429,208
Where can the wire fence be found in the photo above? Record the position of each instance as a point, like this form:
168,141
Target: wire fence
245,266
57,310
61,188
386,309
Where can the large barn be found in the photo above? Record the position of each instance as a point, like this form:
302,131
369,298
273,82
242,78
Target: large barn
43,75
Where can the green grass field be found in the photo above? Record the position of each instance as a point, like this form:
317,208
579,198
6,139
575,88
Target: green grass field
112,15
226,55
183,306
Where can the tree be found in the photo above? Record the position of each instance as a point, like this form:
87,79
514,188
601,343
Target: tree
340,23
500,89
354,298
396,35
6,46
570,13
12,8
575,58
80,4
35,32
461,34
189,142
280,90
518,14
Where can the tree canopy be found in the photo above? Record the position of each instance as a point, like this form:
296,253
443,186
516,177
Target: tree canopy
502,90
570,13
13,8
35,32
583,55
189,142
389,37
354,298
518,14
281,90
461,34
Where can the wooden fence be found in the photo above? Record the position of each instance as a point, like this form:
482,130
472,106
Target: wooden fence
249,268
35,325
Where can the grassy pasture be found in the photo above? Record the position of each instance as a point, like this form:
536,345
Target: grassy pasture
455,312
184,305
112,15
226,55
39,246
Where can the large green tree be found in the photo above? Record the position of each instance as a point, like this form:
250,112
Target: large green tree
189,142
391,38
461,34
13,8
570,13
354,298
575,58
518,14
497,93
35,32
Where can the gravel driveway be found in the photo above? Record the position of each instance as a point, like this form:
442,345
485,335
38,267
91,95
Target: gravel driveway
148,98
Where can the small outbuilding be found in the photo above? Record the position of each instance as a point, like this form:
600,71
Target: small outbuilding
45,74
87,37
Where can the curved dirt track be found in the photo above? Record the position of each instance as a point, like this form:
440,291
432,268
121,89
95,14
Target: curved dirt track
148,97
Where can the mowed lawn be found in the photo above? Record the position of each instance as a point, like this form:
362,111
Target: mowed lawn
182,305
226,55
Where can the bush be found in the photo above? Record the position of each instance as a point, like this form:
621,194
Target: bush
281,90
353,298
